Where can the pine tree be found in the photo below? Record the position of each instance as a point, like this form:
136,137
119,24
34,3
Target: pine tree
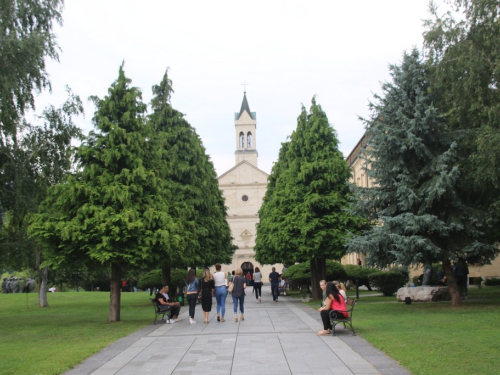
305,215
115,209
190,175
420,213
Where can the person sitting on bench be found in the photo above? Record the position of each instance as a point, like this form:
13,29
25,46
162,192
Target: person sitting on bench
163,300
333,301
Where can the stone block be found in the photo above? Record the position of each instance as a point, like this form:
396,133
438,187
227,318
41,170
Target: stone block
424,293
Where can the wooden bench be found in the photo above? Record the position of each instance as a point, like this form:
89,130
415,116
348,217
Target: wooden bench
338,318
163,310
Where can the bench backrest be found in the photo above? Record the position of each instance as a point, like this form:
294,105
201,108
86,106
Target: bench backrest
156,306
350,306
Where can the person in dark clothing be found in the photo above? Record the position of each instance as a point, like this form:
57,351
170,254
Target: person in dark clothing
164,301
192,290
207,292
274,279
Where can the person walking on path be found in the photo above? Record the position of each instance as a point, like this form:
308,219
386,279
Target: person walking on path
257,284
221,281
334,301
274,279
239,294
207,292
192,289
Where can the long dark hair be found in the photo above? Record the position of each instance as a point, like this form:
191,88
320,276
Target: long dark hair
191,275
332,289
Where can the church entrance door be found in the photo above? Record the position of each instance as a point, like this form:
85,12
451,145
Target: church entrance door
247,267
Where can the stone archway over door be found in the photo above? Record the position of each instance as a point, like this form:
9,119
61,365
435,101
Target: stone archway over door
247,267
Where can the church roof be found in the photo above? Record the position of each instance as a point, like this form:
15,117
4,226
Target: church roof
245,107
239,165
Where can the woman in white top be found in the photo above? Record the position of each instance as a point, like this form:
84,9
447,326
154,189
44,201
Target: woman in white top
220,279
257,283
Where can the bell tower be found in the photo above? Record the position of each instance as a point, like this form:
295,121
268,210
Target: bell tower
245,123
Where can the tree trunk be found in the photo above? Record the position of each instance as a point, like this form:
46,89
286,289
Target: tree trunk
318,268
115,295
427,274
166,277
42,280
456,299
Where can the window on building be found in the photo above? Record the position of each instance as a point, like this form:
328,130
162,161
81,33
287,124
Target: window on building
242,140
249,139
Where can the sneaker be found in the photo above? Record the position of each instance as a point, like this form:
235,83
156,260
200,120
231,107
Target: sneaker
167,321
259,300
192,322
171,321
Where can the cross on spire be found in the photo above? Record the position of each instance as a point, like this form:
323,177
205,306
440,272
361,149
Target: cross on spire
244,84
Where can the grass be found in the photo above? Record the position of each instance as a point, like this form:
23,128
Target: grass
75,326
433,338
426,338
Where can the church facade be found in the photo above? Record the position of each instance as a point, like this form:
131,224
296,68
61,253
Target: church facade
244,187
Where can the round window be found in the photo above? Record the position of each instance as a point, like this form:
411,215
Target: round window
244,198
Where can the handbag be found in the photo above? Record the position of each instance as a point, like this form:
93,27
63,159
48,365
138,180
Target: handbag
230,287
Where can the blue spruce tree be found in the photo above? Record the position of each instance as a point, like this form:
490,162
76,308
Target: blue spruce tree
420,212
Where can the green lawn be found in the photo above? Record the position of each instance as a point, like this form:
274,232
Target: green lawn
426,338
433,338
75,326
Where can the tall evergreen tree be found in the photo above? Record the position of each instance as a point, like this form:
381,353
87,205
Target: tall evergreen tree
419,211
305,215
116,209
190,176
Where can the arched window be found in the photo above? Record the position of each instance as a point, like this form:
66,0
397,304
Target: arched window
242,140
249,139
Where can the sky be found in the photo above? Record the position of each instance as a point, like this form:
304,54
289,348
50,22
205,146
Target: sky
286,51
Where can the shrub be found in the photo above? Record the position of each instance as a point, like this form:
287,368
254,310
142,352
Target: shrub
492,282
150,279
360,273
388,282
300,273
154,278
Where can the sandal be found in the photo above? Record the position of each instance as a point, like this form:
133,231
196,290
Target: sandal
222,320
323,333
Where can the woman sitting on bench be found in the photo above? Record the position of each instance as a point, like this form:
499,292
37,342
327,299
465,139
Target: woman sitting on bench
334,301
163,300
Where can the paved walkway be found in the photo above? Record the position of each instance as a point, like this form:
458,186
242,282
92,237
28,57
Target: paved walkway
275,338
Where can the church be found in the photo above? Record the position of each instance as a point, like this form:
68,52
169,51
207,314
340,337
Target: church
244,187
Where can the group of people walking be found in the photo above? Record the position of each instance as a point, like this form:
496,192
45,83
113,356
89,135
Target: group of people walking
220,285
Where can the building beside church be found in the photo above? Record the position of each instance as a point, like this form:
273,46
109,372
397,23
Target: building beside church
360,178
244,187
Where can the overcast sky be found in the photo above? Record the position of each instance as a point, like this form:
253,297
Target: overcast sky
287,52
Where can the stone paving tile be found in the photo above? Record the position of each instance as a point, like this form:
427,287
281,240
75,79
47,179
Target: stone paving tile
274,338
